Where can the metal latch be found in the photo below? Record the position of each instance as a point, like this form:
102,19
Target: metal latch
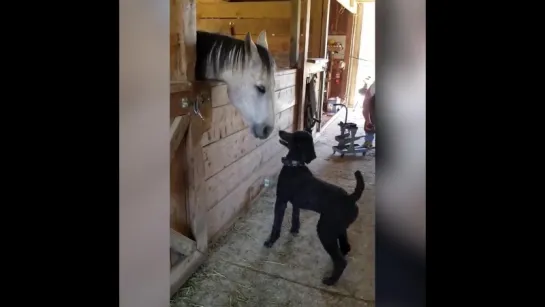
201,98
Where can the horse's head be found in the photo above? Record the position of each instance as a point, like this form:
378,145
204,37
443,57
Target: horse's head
251,87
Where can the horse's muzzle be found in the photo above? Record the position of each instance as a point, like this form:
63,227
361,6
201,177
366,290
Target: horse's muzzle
262,131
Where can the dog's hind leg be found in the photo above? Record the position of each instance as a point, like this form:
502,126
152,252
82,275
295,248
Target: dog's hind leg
295,222
329,241
279,210
343,243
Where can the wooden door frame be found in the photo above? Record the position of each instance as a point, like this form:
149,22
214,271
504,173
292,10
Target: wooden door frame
354,52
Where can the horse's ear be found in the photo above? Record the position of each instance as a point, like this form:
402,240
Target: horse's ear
250,45
262,39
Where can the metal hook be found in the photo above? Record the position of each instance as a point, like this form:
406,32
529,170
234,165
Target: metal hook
196,108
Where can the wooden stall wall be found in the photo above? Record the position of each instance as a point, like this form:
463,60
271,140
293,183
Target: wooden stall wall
273,16
236,163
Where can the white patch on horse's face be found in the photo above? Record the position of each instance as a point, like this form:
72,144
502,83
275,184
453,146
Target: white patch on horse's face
251,91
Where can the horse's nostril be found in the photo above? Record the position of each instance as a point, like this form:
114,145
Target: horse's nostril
262,131
267,131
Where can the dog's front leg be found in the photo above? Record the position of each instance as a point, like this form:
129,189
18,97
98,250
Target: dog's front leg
279,210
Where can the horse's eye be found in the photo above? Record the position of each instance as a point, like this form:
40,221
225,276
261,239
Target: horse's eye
260,88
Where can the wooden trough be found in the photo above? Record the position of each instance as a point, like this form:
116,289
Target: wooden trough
217,167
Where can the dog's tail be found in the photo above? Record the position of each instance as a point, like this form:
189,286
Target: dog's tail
360,186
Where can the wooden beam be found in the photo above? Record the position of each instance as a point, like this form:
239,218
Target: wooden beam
325,28
223,214
274,26
274,9
349,45
227,120
326,6
316,28
178,128
295,32
221,154
181,243
301,73
277,44
196,198
181,272
349,5
354,55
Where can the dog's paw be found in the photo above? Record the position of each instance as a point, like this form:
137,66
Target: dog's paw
345,249
294,231
329,281
269,243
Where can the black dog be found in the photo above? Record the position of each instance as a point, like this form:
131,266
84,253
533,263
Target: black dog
297,185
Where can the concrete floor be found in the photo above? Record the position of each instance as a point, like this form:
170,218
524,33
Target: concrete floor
240,271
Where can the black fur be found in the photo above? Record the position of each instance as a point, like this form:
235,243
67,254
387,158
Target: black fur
336,207
211,46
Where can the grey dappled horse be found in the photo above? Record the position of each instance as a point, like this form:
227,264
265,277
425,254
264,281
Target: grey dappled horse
248,70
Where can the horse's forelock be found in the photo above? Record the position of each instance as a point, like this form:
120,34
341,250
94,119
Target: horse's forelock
221,52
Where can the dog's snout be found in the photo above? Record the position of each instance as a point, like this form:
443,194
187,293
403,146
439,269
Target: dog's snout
262,131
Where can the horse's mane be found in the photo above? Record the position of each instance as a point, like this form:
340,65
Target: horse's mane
218,50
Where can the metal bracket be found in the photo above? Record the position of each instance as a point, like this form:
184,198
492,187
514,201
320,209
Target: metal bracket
201,98
187,102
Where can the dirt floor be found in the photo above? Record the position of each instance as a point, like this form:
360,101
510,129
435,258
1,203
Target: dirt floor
240,271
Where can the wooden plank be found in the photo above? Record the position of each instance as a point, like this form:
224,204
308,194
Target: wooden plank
349,46
178,56
241,198
279,43
354,63
196,204
283,71
295,32
179,219
273,26
301,74
349,5
181,272
227,120
182,58
178,129
325,28
283,79
284,99
313,68
179,86
316,11
219,94
220,155
190,36
273,9
221,184
181,243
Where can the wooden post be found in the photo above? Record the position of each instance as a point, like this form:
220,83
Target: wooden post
325,28
323,54
354,59
300,85
187,167
295,32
